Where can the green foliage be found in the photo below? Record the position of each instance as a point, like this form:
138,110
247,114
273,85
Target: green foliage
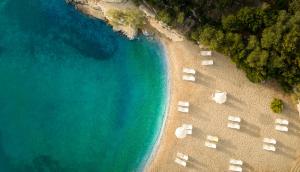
164,16
180,18
230,23
252,42
264,41
257,58
250,19
294,6
276,105
130,17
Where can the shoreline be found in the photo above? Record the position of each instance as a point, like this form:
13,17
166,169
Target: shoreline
156,145
249,101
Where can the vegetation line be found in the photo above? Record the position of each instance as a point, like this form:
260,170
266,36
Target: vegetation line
261,37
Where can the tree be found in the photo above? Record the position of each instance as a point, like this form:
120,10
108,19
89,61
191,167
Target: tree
207,35
164,16
258,58
230,23
252,42
180,18
294,6
276,105
251,19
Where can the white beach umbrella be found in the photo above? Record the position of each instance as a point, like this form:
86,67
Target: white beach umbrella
219,97
180,132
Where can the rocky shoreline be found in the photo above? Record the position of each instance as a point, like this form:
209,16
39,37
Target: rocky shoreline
99,9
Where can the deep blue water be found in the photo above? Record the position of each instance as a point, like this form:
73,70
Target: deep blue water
74,95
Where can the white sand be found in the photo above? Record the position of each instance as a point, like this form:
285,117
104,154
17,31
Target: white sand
245,99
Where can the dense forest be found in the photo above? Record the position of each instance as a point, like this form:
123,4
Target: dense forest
262,37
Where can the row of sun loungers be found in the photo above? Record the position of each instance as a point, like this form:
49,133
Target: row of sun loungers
181,159
183,106
207,62
183,109
211,141
189,74
188,78
281,125
269,147
206,54
234,122
180,162
235,165
183,103
188,128
189,70
268,144
281,121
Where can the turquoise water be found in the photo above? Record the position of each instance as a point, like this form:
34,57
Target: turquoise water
74,95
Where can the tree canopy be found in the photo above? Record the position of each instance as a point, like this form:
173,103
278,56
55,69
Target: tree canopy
261,36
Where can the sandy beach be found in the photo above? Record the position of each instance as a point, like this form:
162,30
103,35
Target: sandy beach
245,99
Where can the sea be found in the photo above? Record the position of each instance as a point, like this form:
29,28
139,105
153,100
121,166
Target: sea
75,96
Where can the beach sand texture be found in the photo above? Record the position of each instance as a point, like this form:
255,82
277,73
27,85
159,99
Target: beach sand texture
245,99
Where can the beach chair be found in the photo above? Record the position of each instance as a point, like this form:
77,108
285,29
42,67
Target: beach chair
235,168
207,62
180,162
183,103
269,148
281,121
187,126
189,132
188,78
233,126
234,118
182,156
210,145
205,53
183,109
269,140
212,138
236,162
189,70
281,128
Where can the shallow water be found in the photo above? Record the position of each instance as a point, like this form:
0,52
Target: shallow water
74,95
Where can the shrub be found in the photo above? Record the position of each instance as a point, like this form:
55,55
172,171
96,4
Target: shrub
277,105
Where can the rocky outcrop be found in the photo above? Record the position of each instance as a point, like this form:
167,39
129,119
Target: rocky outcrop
99,9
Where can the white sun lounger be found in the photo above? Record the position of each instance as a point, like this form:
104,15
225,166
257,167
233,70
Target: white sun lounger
236,162
189,70
183,103
234,118
207,62
269,140
183,109
282,121
269,148
182,156
233,126
212,138
210,145
187,126
205,53
189,132
281,128
188,78
235,168
180,162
